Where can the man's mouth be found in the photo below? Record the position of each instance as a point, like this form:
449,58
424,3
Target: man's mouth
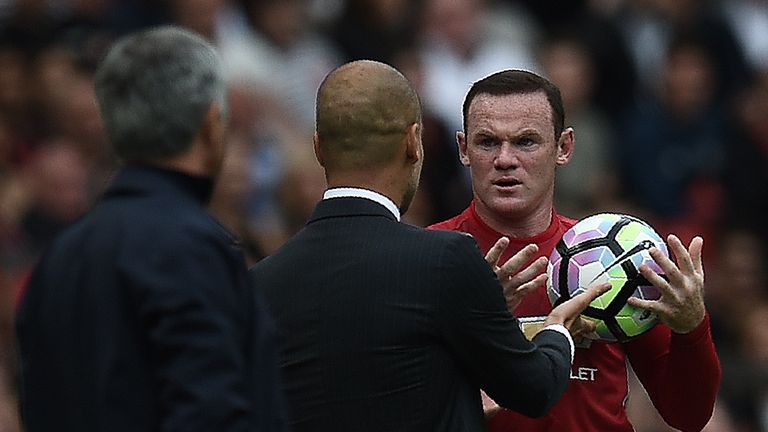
507,182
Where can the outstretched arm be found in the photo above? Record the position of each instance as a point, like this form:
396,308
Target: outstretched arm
676,361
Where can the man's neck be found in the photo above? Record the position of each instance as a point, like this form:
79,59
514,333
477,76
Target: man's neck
517,225
377,183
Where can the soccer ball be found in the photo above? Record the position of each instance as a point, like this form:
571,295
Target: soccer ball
607,247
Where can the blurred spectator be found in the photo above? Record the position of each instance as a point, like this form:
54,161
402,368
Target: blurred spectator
58,185
600,30
15,104
747,178
749,20
464,41
739,289
650,26
270,138
739,281
86,30
377,29
553,14
621,64
30,26
672,153
281,55
443,189
9,421
230,197
299,190
588,182
747,371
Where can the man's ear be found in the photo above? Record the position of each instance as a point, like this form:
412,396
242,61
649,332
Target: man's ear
318,151
213,136
413,146
565,146
461,141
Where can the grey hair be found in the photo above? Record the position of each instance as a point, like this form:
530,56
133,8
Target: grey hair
154,89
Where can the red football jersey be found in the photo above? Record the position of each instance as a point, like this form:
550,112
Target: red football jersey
680,372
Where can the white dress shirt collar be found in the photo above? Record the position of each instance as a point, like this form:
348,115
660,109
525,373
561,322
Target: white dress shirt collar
352,192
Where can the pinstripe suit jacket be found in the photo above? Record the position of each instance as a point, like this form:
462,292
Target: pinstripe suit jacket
384,326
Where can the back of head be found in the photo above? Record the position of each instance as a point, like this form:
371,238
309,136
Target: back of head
514,81
154,89
364,109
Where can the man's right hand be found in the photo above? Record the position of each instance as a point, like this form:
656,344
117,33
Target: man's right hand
517,279
568,313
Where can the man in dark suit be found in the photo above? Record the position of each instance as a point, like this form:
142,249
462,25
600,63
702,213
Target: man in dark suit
384,326
140,317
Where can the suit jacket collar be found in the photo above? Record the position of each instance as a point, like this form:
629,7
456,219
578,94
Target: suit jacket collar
351,206
135,179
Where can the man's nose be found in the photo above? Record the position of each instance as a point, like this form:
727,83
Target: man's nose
506,157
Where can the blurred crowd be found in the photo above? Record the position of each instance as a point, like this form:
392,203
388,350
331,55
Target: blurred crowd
668,98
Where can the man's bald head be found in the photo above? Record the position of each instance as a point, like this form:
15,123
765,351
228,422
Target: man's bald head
364,110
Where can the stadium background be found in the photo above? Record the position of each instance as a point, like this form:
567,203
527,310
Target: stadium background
669,100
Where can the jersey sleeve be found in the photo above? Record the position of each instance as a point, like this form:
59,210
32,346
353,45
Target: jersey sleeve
680,372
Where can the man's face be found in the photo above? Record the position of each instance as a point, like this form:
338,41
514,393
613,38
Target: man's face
512,153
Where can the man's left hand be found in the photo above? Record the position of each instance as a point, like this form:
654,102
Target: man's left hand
681,306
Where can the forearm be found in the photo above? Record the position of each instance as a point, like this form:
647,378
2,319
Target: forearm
683,380
543,373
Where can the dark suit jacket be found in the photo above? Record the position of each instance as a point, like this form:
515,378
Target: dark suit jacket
387,327
140,317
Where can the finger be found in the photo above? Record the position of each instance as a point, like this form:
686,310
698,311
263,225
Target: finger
530,286
594,292
681,254
655,279
534,270
695,250
654,306
518,260
667,266
493,255
577,304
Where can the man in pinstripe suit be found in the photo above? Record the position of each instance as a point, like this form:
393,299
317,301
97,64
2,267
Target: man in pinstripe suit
378,327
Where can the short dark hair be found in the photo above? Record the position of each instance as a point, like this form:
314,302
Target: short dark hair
515,81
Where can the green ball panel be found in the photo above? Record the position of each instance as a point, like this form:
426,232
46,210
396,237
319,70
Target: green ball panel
629,233
635,321
606,298
617,272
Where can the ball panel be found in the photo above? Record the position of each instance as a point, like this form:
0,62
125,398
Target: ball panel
647,292
604,300
634,321
592,227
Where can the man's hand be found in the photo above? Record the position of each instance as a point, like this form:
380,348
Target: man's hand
681,306
568,313
517,283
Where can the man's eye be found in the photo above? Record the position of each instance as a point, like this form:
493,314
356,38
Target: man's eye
487,142
526,142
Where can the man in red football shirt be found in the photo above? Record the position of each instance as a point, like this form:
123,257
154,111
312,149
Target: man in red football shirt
513,140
